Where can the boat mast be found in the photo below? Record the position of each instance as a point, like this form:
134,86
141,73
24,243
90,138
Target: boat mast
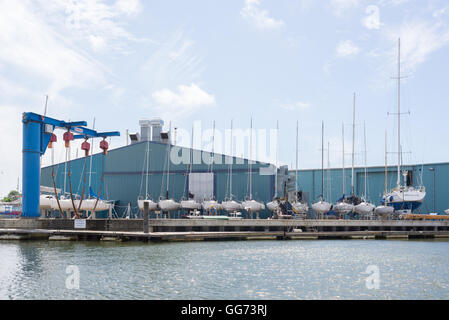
190,165
168,160
386,157
276,170
297,148
343,155
322,160
364,138
249,160
399,113
148,160
353,141
328,183
230,167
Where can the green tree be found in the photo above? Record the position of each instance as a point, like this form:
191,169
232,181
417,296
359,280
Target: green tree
12,196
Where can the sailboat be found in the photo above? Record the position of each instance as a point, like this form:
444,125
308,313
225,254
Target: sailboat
342,207
229,204
211,204
353,199
299,206
365,207
250,204
168,204
384,210
187,203
152,206
274,204
404,198
322,207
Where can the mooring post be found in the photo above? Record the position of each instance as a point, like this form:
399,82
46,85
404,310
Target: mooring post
146,212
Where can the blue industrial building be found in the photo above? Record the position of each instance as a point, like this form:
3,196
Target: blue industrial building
121,176
124,173
433,176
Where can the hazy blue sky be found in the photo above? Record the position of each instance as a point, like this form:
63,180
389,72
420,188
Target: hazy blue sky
286,60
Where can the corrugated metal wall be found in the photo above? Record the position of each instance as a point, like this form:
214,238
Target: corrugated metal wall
125,168
124,180
310,182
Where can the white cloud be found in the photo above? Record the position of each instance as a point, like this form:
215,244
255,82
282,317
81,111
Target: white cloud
259,17
418,41
372,20
296,106
347,48
175,61
186,100
93,20
37,49
129,7
341,6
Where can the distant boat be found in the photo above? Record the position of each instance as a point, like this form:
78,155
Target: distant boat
168,204
299,206
273,205
188,203
152,206
446,211
384,210
322,207
45,201
404,198
342,206
229,204
365,208
250,204
212,205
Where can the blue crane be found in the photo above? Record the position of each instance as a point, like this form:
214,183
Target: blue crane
37,135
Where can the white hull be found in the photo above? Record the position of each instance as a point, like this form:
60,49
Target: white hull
86,205
322,207
211,204
190,205
231,206
383,210
169,205
253,205
300,207
273,205
364,208
343,207
66,204
446,211
45,201
152,206
408,194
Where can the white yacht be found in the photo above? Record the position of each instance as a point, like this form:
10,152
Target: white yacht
343,207
251,205
322,207
384,210
404,198
299,207
152,206
230,205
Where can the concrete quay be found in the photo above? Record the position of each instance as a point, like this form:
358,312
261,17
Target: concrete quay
199,229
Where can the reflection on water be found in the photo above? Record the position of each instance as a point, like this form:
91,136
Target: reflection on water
226,270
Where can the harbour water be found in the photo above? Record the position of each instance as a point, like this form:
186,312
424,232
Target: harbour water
325,269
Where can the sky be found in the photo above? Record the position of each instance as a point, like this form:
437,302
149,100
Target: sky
202,61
